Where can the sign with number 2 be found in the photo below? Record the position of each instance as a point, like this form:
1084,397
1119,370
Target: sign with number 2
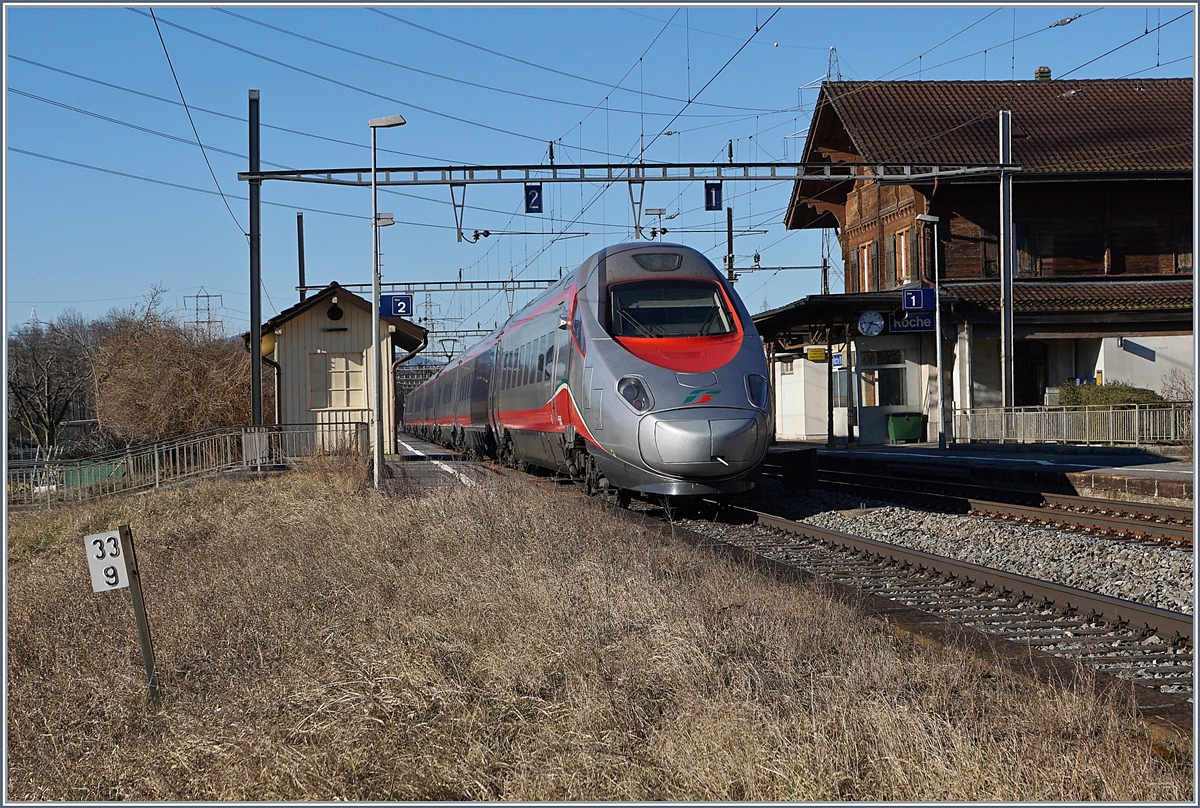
106,562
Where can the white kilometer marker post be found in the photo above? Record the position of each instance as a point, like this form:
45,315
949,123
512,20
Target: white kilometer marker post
112,563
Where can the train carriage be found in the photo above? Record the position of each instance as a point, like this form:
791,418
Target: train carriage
639,371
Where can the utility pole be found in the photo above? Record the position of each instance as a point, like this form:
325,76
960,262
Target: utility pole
256,416
300,251
729,244
1006,261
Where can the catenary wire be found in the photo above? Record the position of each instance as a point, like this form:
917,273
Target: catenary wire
346,85
183,100
549,69
430,73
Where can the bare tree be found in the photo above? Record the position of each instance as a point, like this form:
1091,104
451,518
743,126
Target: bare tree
1179,385
48,380
157,378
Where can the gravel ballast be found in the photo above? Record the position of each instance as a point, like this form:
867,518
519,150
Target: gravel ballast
1156,576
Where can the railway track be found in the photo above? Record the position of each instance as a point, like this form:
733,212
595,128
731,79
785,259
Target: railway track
1115,519
1031,622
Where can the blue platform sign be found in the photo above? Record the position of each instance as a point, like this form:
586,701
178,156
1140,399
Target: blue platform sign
910,321
533,197
396,305
712,196
837,360
919,300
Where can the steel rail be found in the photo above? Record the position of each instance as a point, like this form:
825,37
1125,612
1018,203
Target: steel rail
1170,626
1181,534
1145,511
1171,523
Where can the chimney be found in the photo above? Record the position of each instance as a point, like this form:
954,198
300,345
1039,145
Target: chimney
1042,73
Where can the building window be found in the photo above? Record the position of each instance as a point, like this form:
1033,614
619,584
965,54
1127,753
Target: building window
882,387
989,249
841,387
882,379
852,274
866,263
1183,246
1026,250
889,262
335,381
904,268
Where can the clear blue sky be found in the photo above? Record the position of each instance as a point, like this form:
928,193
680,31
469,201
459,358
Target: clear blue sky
92,86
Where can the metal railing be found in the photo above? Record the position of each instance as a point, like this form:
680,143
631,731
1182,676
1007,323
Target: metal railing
43,483
1097,424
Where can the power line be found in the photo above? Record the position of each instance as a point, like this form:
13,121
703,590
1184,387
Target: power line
715,75
183,100
129,125
210,147
226,115
346,85
1130,42
943,42
430,73
547,69
207,191
724,36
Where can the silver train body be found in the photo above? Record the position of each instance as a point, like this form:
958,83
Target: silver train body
641,371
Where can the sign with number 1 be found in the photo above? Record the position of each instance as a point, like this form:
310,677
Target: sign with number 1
106,562
712,196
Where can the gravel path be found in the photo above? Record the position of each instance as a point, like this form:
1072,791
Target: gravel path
1156,576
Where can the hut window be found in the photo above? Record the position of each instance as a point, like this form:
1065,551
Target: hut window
335,381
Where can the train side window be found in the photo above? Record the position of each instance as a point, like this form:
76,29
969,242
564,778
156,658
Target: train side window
577,329
524,380
543,359
549,356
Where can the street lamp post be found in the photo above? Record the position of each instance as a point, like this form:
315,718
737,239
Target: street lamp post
937,328
377,362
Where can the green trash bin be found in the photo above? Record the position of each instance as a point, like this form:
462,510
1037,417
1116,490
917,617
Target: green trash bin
905,426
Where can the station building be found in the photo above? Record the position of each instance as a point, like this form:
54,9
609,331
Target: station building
1103,221
321,352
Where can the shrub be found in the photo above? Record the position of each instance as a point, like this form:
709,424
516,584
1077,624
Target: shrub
1115,392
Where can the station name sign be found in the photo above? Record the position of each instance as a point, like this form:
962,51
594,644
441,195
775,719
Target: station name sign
903,322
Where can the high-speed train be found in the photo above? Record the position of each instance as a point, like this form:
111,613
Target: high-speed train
641,371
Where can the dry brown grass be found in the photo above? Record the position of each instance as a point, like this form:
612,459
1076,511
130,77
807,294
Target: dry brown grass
319,641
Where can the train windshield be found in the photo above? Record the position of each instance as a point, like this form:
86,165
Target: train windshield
669,308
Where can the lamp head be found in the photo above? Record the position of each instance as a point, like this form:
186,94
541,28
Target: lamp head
386,123
925,217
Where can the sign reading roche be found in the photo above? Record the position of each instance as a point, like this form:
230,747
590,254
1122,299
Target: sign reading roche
908,321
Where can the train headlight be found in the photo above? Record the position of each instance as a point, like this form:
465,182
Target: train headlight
757,390
635,391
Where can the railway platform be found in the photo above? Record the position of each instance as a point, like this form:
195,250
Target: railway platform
1103,472
429,465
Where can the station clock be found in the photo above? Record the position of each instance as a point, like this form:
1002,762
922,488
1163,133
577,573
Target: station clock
870,324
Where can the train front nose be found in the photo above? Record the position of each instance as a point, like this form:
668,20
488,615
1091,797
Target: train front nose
703,441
